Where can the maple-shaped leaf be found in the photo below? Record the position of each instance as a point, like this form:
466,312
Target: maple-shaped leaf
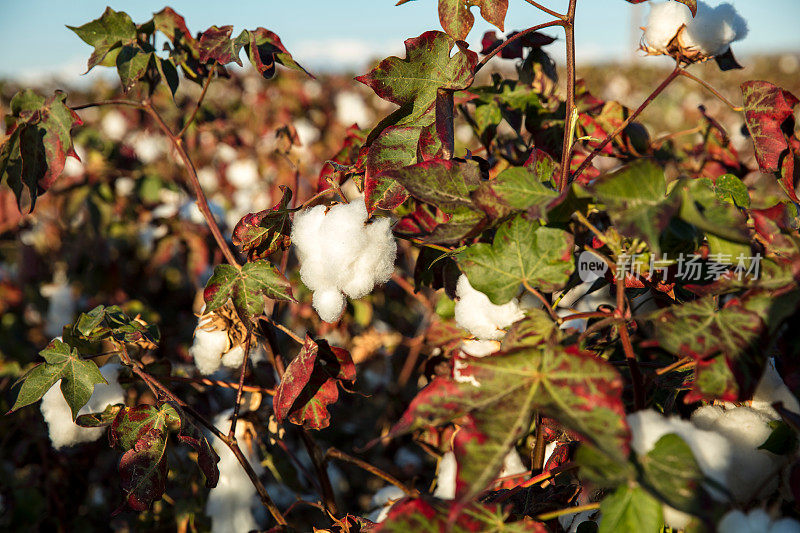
418,514
247,288
494,398
713,380
457,20
691,4
191,435
39,140
522,252
216,45
519,189
260,234
265,49
97,420
768,113
142,432
427,74
630,508
61,362
637,202
107,34
112,322
311,383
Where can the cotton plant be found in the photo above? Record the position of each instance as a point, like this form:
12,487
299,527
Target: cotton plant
475,313
342,254
672,30
219,342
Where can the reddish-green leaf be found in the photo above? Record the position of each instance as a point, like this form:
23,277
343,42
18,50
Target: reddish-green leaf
768,113
247,287
207,458
260,234
522,252
216,45
265,49
444,183
429,515
107,35
62,362
310,384
519,189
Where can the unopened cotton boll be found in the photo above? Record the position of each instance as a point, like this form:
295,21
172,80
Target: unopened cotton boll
231,504
56,412
340,254
477,314
243,173
756,521
208,347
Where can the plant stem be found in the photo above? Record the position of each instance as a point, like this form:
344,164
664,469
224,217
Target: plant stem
672,75
711,89
510,40
409,289
202,202
236,406
544,301
129,103
537,463
546,10
630,356
337,454
219,383
569,510
199,102
297,338
566,150
318,459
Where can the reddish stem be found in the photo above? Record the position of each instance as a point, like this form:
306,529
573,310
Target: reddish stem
566,150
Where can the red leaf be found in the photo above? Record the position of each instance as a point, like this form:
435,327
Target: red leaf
769,118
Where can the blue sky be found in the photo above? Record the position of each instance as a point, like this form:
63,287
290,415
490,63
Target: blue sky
343,34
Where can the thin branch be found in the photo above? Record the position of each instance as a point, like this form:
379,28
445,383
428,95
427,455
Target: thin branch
409,289
318,459
129,103
546,10
542,299
569,510
202,202
510,40
672,75
337,454
591,227
566,149
711,89
198,104
220,383
297,338
537,463
240,388
630,356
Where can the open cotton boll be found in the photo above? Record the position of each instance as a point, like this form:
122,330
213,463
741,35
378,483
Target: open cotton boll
771,389
446,477
663,23
477,314
208,347
756,521
243,173
61,304
233,358
351,109
56,412
478,348
382,502
512,465
148,147
340,253
232,502
714,29
712,451
114,125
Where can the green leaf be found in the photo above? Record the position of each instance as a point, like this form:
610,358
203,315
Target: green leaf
109,32
782,440
132,63
671,472
112,323
702,207
260,234
522,252
630,510
730,189
444,183
265,49
96,420
516,189
247,288
637,202
78,378
457,20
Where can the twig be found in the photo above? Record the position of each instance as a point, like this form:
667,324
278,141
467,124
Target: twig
566,150
219,383
199,102
674,366
544,301
297,338
510,40
318,459
711,89
546,10
236,406
591,227
630,356
129,103
409,289
200,196
569,510
537,463
672,75
337,454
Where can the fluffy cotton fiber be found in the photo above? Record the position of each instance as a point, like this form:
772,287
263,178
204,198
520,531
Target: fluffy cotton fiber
211,348
711,31
232,502
340,254
477,314
756,521
63,431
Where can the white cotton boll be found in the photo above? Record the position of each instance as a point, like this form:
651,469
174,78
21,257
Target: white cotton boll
663,23
232,502
114,125
771,389
148,147
233,358
351,109
307,133
339,253
706,416
124,186
56,412
478,348
478,315
674,518
512,465
713,29
208,347
329,304
208,179
756,521
382,502
61,304
446,477
225,153
712,451
243,173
